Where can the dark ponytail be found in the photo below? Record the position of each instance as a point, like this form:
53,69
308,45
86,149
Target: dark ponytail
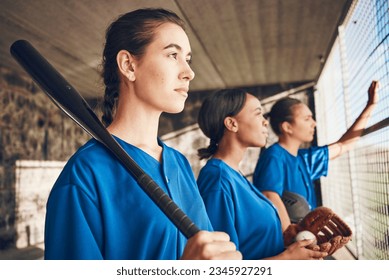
205,153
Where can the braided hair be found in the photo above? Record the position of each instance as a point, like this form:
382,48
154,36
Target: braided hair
133,32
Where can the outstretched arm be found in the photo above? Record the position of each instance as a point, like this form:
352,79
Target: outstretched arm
352,135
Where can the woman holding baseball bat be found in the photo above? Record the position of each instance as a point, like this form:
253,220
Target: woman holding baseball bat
96,209
233,120
285,167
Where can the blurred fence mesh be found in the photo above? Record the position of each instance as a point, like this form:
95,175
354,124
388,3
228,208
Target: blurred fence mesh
357,185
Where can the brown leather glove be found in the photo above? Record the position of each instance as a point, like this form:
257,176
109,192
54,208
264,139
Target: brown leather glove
331,232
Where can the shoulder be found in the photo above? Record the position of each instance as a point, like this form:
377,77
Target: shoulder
212,167
91,158
211,174
217,176
80,173
90,154
275,151
313,150
274,160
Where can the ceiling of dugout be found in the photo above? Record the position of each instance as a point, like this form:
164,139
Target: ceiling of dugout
235,43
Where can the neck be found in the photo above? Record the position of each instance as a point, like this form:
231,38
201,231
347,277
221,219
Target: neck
137,125
291,145
231,153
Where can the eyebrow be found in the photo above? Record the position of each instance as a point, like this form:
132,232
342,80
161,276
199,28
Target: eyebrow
178,47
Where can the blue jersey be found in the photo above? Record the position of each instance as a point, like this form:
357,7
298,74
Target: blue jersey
96,209
277,170
235,206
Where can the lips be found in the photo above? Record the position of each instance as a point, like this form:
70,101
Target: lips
182,91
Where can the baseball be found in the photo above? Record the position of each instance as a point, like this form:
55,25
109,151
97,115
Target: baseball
305,234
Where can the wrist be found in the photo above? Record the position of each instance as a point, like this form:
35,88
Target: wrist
283,255
371,104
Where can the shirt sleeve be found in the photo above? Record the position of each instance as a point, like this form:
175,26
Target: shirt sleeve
316,160
219,205
73,225
269,175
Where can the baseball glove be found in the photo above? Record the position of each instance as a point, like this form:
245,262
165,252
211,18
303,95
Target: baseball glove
331,232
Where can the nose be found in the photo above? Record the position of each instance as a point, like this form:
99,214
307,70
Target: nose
187,72
265,122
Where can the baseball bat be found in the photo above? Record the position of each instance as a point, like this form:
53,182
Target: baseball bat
75,106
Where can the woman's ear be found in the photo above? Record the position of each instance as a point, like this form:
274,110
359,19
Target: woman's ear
231,124
286,128
126,64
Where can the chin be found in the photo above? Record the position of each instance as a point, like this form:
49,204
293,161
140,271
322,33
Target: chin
260,145
310,139
175,110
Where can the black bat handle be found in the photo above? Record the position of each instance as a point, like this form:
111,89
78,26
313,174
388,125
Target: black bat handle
71,102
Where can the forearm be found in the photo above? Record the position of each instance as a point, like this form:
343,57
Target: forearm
285,255
282,213
358,126
352,135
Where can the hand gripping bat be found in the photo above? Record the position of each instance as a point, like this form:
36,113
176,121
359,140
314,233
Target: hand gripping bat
74,105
